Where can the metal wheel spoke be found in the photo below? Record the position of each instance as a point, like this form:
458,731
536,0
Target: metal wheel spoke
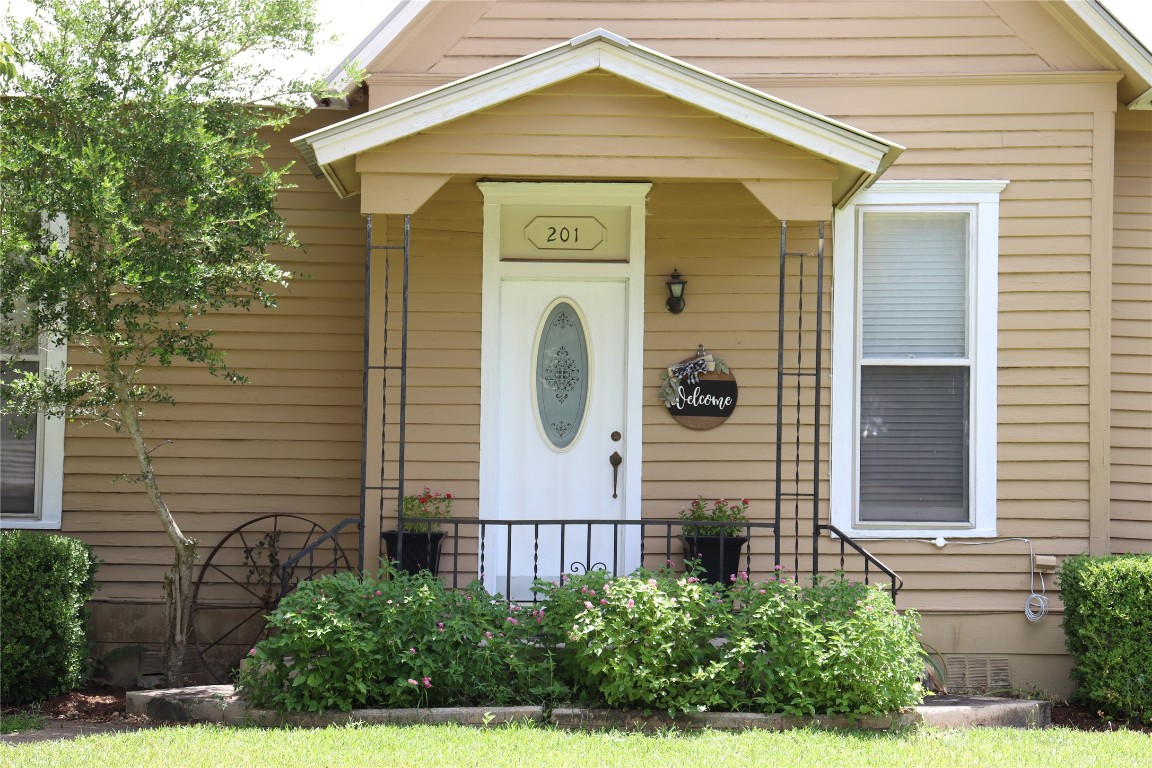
264,543
227,634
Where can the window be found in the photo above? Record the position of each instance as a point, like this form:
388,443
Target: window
914,360
32,466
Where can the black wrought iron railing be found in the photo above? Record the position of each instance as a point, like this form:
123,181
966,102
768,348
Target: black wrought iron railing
508,555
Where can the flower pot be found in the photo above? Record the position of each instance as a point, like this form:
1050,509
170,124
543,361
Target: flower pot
719,556
421,551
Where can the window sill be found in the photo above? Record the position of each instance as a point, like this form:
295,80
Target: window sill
924,533
29,523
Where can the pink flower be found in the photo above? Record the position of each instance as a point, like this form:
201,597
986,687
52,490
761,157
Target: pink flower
378,593
412,682
427,682
488,635
252,652
603,601
411,650
631,603
439,626
588,605
512,620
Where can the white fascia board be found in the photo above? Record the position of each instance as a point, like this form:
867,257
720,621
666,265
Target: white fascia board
436,107
749,107
1132,52
600,50
375,42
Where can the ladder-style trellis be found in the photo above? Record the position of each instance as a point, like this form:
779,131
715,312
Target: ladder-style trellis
797,262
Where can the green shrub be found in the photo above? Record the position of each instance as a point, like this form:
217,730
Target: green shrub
837,647
668,641
396,640
45,579
1108,631
653,641
644,640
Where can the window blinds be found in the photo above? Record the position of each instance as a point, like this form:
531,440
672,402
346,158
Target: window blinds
914,416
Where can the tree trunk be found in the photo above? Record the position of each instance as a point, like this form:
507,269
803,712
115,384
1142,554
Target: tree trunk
178,582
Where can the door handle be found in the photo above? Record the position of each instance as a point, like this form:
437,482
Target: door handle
615,460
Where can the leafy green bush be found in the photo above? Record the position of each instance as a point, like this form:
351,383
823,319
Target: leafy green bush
1108,631
644,640
396,640
653,641
836,647
44,582
668,641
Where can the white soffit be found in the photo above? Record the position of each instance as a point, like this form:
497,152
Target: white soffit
599,50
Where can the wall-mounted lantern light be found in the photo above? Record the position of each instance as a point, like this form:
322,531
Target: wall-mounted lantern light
676,292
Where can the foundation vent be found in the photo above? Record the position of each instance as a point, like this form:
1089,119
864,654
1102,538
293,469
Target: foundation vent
978,674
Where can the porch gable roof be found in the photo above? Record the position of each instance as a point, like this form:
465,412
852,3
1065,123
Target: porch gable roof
332,151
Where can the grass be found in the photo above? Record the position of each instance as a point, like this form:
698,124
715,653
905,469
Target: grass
529,745
18,722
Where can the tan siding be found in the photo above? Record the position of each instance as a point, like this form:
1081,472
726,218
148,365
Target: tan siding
288,441
733,38
1131,435
559,130
1021,107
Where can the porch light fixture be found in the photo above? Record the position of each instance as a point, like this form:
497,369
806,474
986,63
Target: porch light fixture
676,285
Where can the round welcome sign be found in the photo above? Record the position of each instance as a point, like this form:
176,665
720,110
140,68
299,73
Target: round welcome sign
700,392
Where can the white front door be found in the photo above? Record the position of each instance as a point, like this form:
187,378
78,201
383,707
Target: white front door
562,417
561,389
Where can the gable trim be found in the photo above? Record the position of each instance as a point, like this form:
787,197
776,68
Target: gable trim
604,51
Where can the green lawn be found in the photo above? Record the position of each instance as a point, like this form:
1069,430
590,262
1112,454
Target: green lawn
422,746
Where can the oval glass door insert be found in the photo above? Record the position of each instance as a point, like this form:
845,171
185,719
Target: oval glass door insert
561,374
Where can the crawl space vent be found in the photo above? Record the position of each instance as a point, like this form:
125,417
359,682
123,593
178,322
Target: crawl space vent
977,674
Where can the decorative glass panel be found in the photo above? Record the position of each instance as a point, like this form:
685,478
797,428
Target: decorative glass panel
562,375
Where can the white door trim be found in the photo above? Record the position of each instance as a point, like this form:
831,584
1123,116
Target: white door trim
633,196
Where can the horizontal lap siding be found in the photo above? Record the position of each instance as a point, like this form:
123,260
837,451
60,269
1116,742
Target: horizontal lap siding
286,442
442,438
1131,448
747,37
596,125
727,247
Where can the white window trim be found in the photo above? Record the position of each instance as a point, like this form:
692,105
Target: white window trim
49,438
982,198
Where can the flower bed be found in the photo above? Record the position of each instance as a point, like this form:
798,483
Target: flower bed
651,641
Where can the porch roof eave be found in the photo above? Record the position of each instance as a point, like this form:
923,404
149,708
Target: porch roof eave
862,157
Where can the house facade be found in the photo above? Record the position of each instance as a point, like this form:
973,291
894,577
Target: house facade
917,236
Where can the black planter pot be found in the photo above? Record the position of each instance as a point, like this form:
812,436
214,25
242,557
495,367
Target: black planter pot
719,556
421,550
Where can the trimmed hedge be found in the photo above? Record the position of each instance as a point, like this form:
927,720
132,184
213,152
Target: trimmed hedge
1108,631
45,579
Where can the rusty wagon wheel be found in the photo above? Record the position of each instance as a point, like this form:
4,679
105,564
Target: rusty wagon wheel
239,584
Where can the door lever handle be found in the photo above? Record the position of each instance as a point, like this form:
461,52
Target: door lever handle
615,460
